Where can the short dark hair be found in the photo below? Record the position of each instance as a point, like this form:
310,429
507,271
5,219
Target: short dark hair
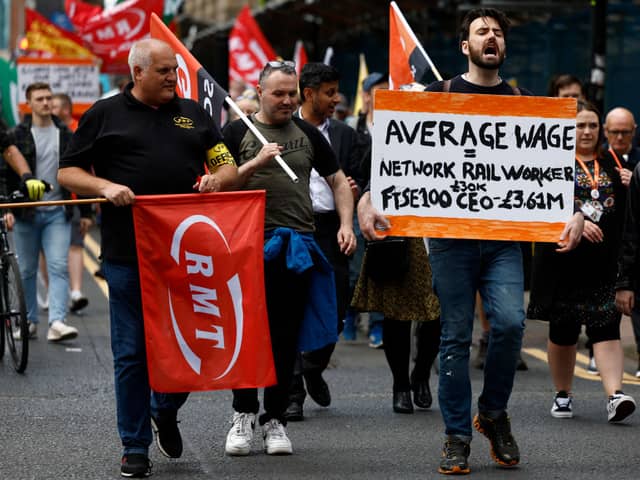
64,98
269,69
314,74
36,86
563,81
498,15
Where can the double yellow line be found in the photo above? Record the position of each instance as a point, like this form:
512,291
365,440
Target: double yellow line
582,362
91,263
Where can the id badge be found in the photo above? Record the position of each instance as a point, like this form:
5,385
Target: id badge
590,211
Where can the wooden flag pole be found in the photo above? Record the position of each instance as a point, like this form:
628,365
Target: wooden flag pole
50,203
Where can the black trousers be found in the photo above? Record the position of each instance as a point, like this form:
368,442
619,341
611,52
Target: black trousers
315,362
287,295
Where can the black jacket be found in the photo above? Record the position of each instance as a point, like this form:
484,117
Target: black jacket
629,257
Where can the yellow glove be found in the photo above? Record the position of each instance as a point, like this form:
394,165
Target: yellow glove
33,188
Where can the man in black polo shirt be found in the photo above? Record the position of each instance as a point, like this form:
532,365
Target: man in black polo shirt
143,141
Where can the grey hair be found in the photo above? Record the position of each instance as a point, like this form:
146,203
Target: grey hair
140,53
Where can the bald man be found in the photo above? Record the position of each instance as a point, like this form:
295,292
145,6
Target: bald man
135,147
620,129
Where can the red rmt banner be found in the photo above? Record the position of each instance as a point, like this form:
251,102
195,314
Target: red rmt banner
249,50
200,258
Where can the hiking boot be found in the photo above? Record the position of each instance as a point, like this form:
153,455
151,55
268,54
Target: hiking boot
504,449
168,439
562,405
59,331
241,434
135,465
276,441
455,457
620,406
483,344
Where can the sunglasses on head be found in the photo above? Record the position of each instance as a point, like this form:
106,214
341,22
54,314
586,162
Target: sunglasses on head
280,64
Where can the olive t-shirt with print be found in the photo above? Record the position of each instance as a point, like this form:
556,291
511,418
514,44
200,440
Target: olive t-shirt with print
288,203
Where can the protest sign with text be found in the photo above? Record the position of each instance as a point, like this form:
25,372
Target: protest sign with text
473,166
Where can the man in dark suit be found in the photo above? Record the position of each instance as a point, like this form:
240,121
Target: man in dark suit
319,97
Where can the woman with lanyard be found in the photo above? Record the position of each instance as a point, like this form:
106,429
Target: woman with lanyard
576,288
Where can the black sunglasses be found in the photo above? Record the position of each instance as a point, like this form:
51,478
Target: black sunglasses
281,64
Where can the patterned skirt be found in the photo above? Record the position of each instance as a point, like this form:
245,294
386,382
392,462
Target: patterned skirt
409,298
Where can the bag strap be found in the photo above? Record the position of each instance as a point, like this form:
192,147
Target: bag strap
446,86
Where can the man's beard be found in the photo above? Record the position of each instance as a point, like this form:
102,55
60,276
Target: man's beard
476,58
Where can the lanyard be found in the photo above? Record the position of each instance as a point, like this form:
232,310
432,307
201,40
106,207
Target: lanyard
615,157
592,178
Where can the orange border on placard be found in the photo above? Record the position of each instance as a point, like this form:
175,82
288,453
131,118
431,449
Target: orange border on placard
78,108
474,104
444,227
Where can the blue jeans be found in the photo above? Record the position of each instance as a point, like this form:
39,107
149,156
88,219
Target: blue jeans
134,400
460,268
50,231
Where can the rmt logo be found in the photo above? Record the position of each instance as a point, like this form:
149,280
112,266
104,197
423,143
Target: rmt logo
205,277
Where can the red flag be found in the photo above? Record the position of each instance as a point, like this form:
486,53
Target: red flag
406,62
43,36
300,56
194,81
202,281
112,32
80,12
249,50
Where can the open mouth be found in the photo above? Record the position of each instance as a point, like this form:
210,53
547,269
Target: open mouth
491,50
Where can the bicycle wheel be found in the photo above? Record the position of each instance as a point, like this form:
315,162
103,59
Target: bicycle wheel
14,314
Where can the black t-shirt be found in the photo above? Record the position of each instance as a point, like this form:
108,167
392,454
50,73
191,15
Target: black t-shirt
5,137
152,151
288,204
460,85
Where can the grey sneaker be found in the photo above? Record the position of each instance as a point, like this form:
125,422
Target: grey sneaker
33,332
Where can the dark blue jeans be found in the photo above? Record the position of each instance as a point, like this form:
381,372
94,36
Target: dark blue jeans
134,400
460,268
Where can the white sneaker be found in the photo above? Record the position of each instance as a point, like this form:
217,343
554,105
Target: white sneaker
276,441
562,406
620,406
61,331
33,332
592,368
241,434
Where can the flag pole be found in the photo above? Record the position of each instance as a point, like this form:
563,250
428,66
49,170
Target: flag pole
259,136
435,71
49,203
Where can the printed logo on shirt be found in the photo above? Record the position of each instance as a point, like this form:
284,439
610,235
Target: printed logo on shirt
217,156
183,122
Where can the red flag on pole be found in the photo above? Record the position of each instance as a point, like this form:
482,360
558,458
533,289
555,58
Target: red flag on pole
408,61
249,50
200,258
300,56
194,81
112,32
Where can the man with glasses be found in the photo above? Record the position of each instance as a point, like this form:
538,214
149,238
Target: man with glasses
295,270
620,129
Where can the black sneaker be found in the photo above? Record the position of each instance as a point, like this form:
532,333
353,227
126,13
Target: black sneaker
168,438
504,449
135,465
455,457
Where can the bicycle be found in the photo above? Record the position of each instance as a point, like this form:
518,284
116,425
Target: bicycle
14,327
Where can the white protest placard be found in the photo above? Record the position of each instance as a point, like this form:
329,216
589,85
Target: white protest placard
78,78
473,166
